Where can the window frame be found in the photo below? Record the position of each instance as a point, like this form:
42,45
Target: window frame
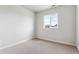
50,26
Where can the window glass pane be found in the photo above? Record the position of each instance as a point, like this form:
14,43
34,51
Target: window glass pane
47,20
54,19
51,20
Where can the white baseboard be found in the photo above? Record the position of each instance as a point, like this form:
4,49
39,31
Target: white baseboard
19,42
11,45
66,43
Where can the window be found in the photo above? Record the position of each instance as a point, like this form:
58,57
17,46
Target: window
51,21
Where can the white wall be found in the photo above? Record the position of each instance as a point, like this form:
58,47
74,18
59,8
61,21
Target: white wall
66,31
16,25
77,26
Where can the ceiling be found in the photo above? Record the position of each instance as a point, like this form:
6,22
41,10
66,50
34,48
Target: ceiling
37,8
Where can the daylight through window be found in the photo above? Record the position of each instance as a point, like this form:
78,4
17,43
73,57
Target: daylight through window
51,21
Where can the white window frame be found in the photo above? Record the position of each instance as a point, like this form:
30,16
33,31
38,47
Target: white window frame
50,26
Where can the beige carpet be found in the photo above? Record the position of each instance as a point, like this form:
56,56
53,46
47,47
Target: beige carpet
37,46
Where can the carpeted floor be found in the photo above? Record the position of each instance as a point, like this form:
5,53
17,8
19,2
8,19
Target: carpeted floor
37,46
